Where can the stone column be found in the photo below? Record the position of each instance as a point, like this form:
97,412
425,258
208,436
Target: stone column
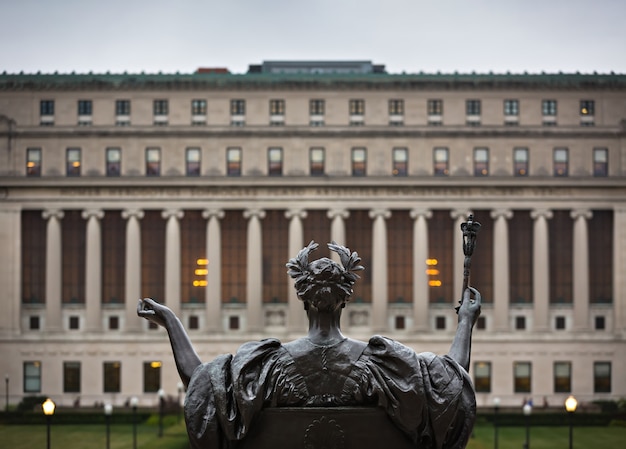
54,273
541,269
213,292
93,270
337,228
459,216
11,269
619,267
580,268
132,290
172,258
254,265
501,269
380,289
296,316
421,296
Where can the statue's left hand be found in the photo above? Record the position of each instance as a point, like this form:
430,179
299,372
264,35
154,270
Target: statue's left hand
153,311
470,309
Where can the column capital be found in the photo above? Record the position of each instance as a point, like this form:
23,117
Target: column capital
293,213
581,213
172,213
421,212
249,213
210,213
136,213
56,213
96,213
338,212
459,213
537,213
375,213
497,213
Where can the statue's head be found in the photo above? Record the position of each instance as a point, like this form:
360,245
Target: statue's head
324,284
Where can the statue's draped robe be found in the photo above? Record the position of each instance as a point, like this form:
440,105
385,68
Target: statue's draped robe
430,398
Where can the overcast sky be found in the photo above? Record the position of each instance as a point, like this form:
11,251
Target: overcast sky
405,35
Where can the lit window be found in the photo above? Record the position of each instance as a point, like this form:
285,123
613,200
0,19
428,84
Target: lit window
71,377
73,162
192,161
33,162
587,107
112,377
32,377
482,377
198,107
602,377
396,107
400,162
359,162
151,376
317,156
562,377
435,107
600,162
561,162
511,107
522,377
316,107
520,161
275,161
357,107
113,161
233,161
153,161
277,107
481,161
441,161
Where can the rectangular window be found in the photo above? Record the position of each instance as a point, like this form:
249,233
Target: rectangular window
481,162
151,376
192,161
357,107
33,323
277,107
112,376
113,161
511,107
74,322
198,107
396,107
482,377
559,323
233,161
522,377
561,162
73,162
441,161
520,161
600,162
481,323
233,322
440,322
562,377
359,161
160,107
548,107
84,107
316,161
602,377
46,107
275,161
33,162
599,323
520,323
153,161
32,377
587,108
122,107
71,377
472,107
434,107
400,162
194,322
238,107
400,322
114,322
316,107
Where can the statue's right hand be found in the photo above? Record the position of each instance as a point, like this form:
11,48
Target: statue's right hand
152,311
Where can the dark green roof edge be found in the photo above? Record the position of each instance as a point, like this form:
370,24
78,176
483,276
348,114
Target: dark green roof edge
212,80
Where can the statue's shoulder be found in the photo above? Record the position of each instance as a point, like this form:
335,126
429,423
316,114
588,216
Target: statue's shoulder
385,346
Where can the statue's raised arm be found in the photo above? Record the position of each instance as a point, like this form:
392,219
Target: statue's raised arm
185,356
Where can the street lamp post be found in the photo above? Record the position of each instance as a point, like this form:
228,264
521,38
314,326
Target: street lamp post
133,403
496,409
6,392
161,410
108,410
180,387
48,409
527,409
570,405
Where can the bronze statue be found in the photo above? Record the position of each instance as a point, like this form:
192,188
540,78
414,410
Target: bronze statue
429,397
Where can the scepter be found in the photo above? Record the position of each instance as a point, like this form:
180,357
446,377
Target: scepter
470,228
